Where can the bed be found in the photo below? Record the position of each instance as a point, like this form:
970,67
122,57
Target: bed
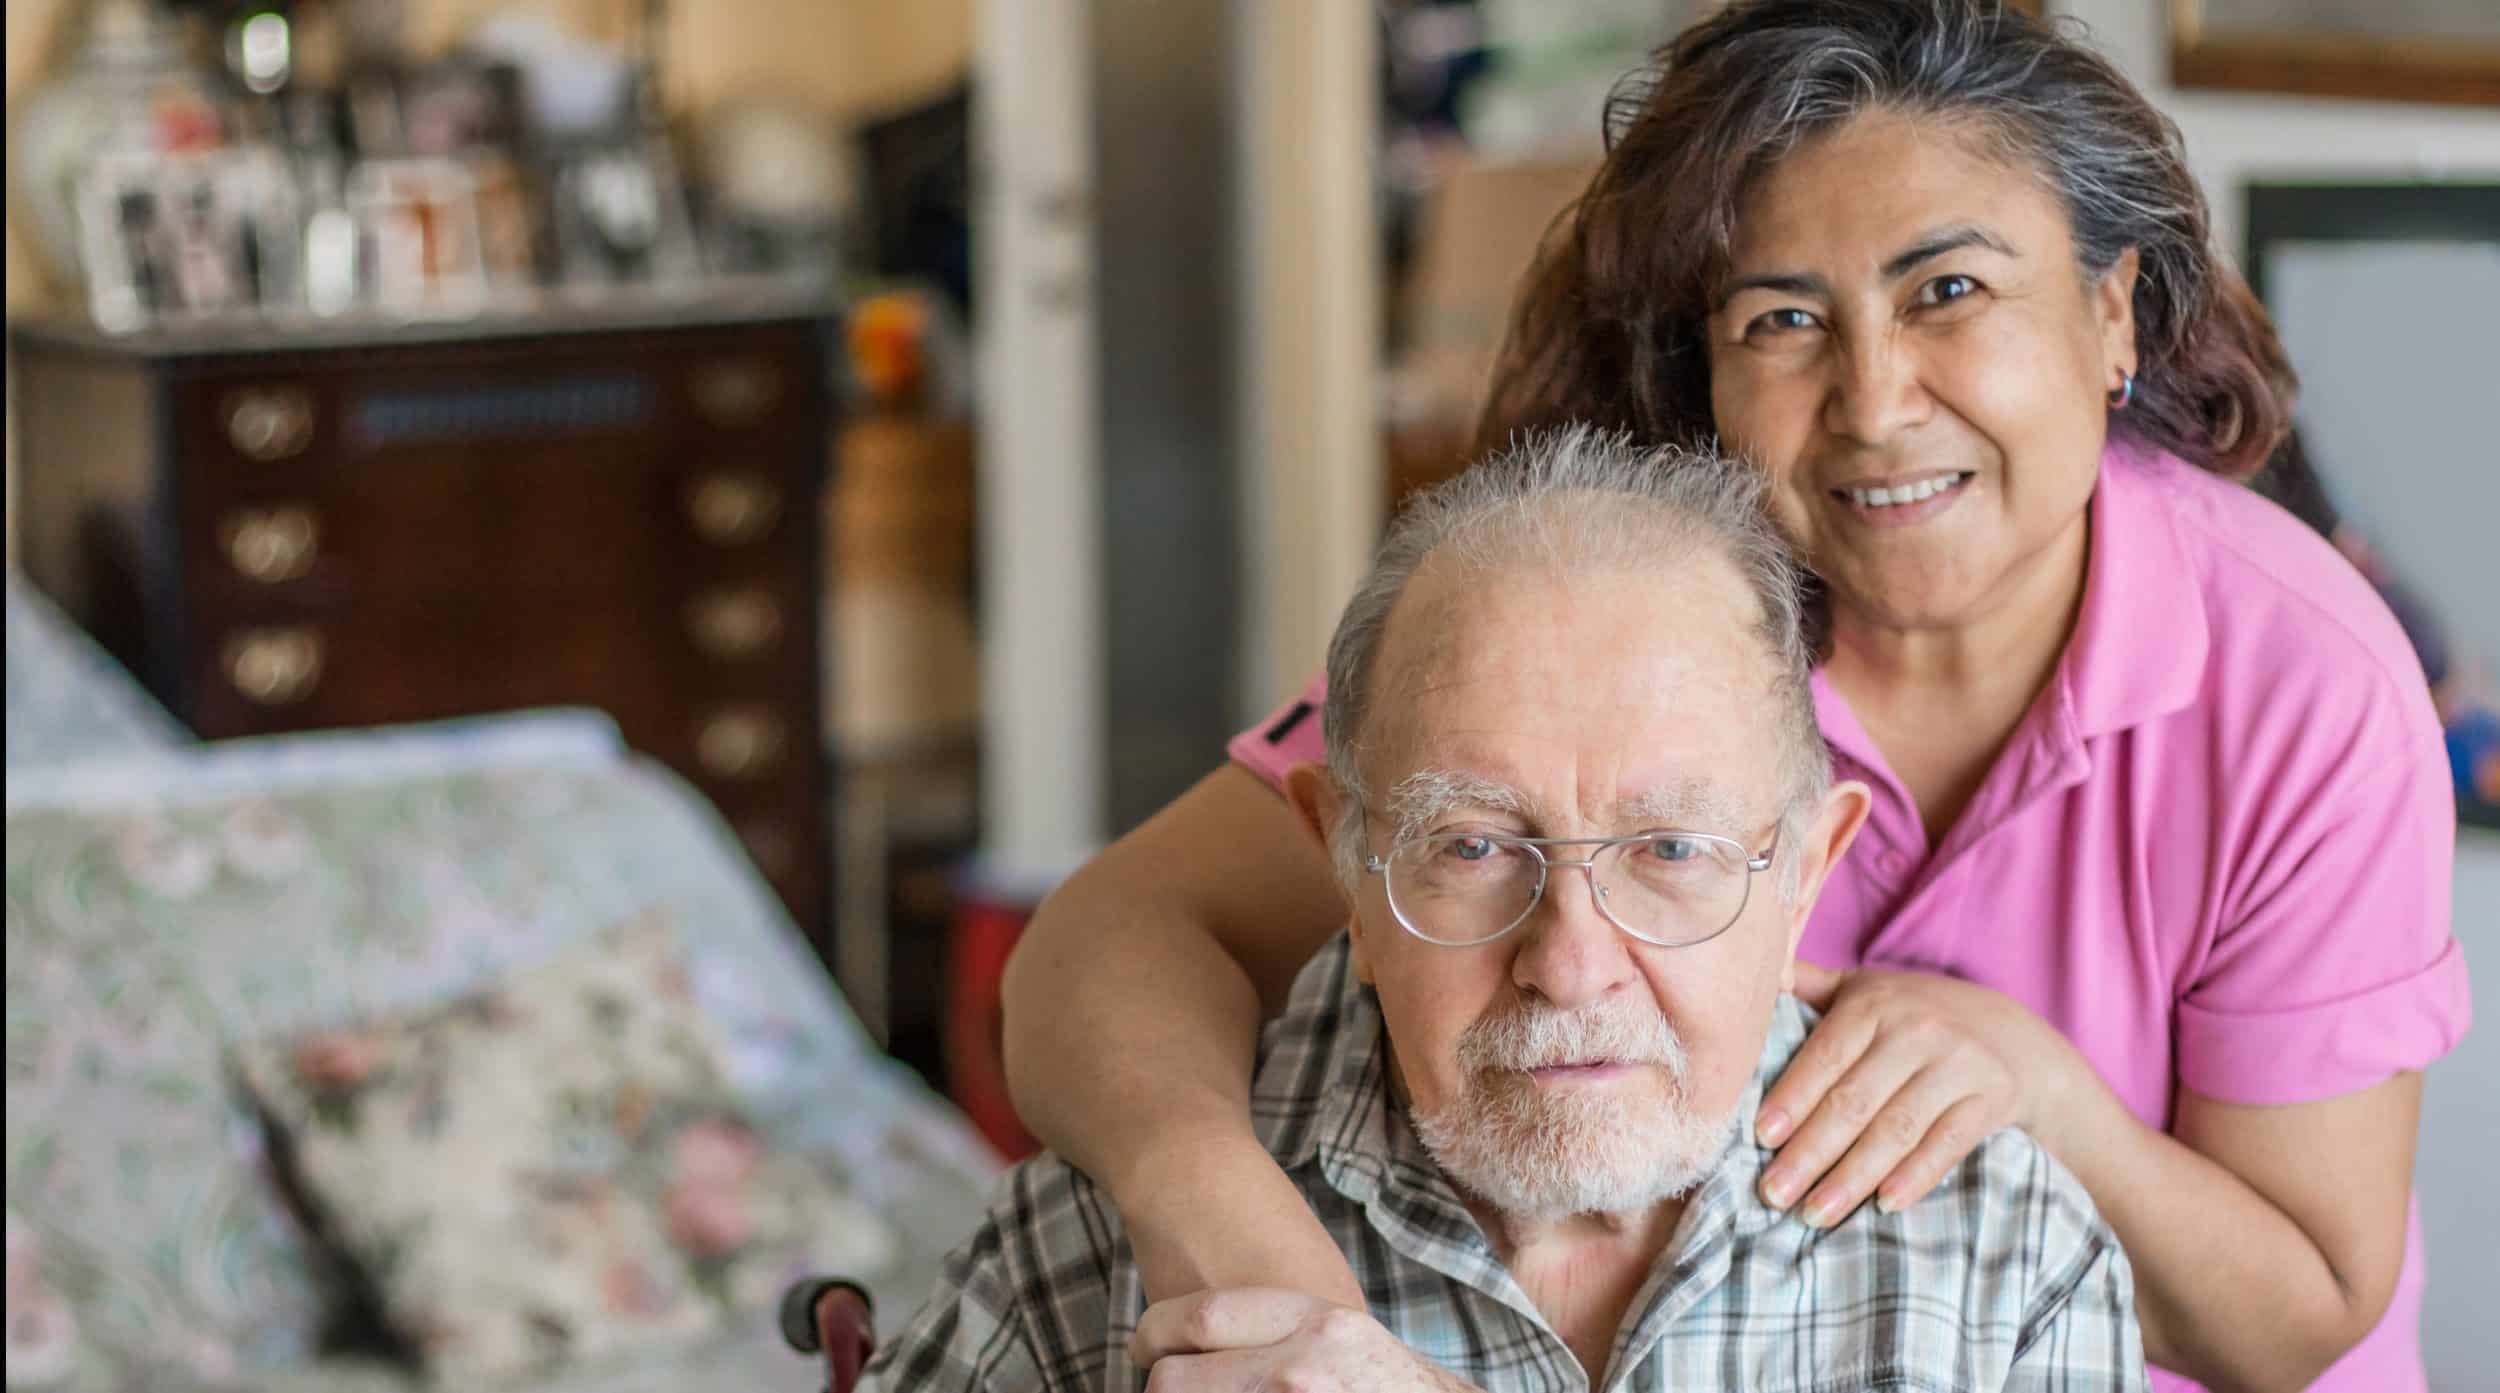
167,900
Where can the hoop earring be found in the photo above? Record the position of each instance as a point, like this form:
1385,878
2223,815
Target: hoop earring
2123,393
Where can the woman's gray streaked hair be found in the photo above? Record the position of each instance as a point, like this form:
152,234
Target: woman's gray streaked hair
1611,325
1581,499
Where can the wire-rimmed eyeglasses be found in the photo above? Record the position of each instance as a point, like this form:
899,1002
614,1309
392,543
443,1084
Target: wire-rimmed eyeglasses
1667,889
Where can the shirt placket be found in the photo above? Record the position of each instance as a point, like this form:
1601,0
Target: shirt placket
1407,1223
2046,756
1926,928
1700,1267
1366,1146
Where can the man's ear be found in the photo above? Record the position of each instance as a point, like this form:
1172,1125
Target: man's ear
1827,836
2113,304
1315,798
1314,793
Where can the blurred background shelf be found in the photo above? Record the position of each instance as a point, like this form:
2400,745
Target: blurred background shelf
336,530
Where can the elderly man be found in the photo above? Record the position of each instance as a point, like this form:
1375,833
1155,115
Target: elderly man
1577,796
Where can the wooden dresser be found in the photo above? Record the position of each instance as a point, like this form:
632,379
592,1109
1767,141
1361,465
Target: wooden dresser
341,527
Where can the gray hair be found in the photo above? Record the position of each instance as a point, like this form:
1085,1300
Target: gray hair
1581,499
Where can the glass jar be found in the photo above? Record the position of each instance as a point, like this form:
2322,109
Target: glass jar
132,85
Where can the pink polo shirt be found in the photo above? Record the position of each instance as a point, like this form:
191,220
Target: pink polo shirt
2216,853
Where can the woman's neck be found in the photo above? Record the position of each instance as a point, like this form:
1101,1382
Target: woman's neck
1941,701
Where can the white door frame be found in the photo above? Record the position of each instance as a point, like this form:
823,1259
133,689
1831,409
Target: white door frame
1040,485
1307,89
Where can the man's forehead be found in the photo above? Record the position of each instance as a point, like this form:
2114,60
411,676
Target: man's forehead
1651,635
1492,784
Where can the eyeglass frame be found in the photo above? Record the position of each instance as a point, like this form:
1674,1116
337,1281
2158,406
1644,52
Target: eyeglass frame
1755,863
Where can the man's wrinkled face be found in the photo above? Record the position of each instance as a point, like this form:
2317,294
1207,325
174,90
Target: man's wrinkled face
1568,1067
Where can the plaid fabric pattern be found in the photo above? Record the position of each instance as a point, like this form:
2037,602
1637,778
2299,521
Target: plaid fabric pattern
2005,1278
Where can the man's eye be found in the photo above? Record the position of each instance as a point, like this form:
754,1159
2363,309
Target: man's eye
1472,848
1675,849
1946,289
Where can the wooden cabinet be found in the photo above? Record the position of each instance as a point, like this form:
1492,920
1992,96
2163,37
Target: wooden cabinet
328,529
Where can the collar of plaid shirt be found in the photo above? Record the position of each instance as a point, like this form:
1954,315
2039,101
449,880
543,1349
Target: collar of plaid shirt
1943,1296
1323,1099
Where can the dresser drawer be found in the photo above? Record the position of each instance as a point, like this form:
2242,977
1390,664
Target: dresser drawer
287,662
281,666
549,522
291,412
570,514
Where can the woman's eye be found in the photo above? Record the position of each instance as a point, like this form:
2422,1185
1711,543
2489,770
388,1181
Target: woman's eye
1946,289
1779,321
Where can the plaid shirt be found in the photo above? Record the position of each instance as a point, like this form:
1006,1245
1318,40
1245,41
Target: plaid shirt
2005,1278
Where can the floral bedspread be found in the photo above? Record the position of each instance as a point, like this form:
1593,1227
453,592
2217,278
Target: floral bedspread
153,926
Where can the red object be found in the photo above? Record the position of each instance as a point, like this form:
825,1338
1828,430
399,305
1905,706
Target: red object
985,931
845,1334
832,1318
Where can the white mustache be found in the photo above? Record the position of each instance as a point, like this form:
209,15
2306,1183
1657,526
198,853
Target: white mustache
1535,1037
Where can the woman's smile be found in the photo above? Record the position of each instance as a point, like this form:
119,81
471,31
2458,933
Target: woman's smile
1904,501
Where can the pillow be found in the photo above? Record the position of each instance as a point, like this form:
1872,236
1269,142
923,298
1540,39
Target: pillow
551,1169
147,940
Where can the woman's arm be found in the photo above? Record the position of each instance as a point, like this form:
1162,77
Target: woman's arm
1133,1004
2266,1240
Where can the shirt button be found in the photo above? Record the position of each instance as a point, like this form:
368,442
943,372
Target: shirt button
1892,863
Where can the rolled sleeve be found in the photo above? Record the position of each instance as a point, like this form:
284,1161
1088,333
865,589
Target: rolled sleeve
2335,968
2304,1053
1289,736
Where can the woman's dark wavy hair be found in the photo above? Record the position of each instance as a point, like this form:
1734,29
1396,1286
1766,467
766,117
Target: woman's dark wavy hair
1608,326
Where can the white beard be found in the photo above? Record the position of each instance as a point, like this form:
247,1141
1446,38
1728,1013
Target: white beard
1536,1154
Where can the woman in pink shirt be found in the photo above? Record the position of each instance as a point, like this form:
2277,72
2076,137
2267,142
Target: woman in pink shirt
2158,860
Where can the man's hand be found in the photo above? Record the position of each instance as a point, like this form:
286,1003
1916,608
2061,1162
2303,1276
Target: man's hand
1244,1339
1903,1076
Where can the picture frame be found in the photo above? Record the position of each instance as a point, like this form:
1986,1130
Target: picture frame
419,250
2388,416
173,240
621,220
2445,51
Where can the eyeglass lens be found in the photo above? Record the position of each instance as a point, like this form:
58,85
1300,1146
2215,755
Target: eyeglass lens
1667,889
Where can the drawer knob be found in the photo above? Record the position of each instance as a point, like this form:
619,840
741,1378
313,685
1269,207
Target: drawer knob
270,423
737,391
271,544
740,744
732,509
274,667
734,623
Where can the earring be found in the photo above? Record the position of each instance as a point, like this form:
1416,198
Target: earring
2124,392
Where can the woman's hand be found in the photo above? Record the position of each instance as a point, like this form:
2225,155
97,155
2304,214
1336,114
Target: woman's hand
1247,1338
1903,1076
